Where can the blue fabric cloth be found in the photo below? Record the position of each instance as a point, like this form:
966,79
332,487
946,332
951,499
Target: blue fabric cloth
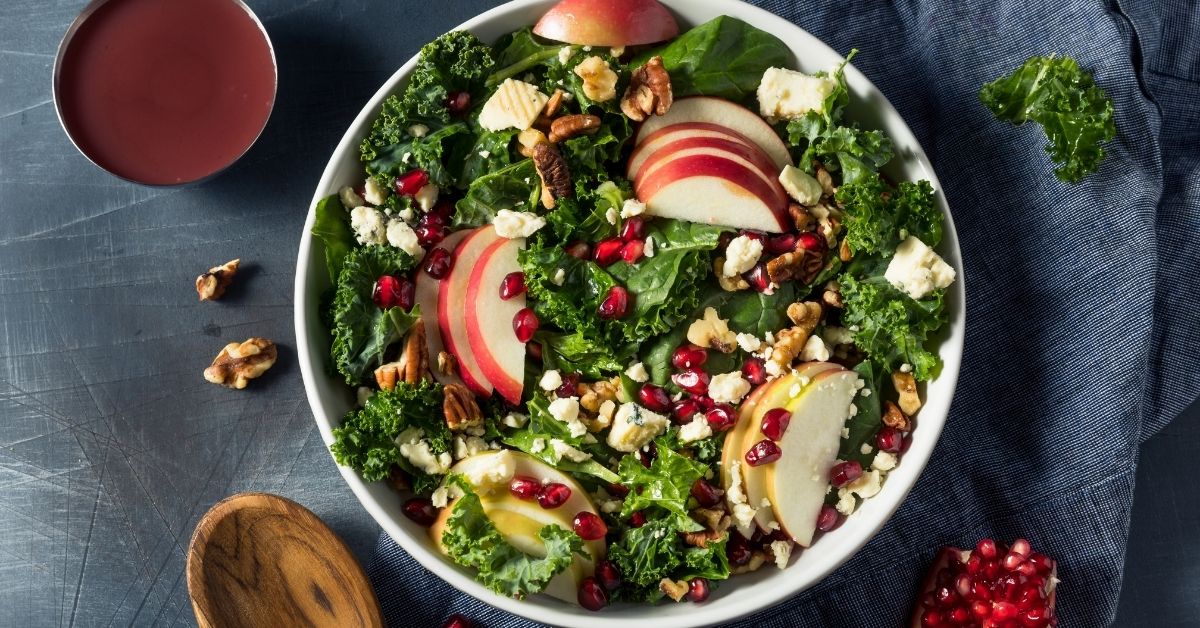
1083,303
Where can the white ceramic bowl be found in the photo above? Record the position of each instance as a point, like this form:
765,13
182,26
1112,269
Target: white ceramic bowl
330,398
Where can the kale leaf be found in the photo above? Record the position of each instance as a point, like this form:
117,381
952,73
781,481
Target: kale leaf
331,226
366,439
644,556
878,216
577,353
542,428
665,486
362,332
863,424
514,187
892,327
1076,115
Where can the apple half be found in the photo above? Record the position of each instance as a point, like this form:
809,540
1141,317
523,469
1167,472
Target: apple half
519,520
426,291
715,190
724,113
608,22
452,321
490,335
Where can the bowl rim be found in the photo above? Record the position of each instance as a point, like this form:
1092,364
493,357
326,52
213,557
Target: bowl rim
753,596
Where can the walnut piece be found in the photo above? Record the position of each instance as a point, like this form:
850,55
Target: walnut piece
832,296
566,127
212,284
805,314
237,364
552,170
703,538
447,364
800,265
757,560
593,394
824,179
800,217
528,139
649,92
906,385
713,332
714,519
728,284
674,589
398,479
894,418
599,81
554,104
413,365
844,252
790,342
462,413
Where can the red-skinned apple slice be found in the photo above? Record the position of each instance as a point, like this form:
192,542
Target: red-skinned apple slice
452,321
651,143
705,109
751,157
713,190
426,292
608,22
501,356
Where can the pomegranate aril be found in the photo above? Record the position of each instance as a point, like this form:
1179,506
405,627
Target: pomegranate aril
754,235
1042,562
1003,611
512,285
608,251
721,417
737,549
844,473
889,439
525,323
637,519
443,208
438,263
410,182
763,452
553,495
608,575
932,619
1035,617
618,489
1017,554
430,235
458,103
986,548
457,621
394,292
616,304
706,494
634,229
420,510
810,241
632,251
689,356
775,422
592,595
754,370
974,564
959,616
698,590
648,454
945,597
579,250
757,278
705,402
963,584
980,591
828,518
654,398
569,386
589,526
692,380
780,244
524,487
535,350
683,410
433,219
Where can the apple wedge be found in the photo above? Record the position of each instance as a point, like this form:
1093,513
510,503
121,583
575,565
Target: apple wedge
689,130
452,321
519,521
713,190
608,22
723,113
749,156
494,344
426,290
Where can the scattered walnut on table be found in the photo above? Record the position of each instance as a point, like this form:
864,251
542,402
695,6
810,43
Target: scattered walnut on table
212,284
566,127
237,364
552,170
462,413
649,92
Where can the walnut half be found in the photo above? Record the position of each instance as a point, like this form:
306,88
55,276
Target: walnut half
649,92
237,364
212,284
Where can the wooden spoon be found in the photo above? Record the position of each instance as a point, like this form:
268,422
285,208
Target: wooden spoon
263,560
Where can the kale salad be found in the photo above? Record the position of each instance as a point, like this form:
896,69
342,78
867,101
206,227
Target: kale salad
626,320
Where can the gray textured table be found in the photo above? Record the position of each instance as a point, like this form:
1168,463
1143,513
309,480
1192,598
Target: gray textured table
111,443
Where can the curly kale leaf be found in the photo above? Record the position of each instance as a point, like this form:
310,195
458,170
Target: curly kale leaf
583,216
644,556
454,62
542,428
663,489
892,328
366,440
878,217
514,187
521,53
472,540
577,353
1076,115
362,332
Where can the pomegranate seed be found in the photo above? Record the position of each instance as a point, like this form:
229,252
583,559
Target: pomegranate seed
512,285
811,241
931,619
654,398
648,454
579,250
704,401
986,549
616,304
698,590
754,235
525,323
438,263
706,494
763,452
632,251
757,278
1027,569
989,588
392,292
410,182
1029,596
721,417
1017,554
689,356
443,208
608,251
754,370
828,518
634,229
553,495
945,597
524,487
458,103
1003,611
959,616
692,380
589,526
737,549
457,621
608,575
844,473
535,350
780,244
433,219
974,564
1035,617
430,235
637,519
1042,562
592,595
981,610
683,410
420,510
569,386
620,490
775,422
963,584
889,439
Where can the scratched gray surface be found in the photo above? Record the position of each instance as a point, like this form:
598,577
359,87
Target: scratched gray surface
111,443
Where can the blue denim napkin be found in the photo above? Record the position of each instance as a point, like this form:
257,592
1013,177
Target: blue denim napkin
1083,322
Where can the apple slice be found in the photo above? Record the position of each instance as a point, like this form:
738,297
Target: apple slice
452,321
608,22
501,356
713,190
748,156
426,292
724,113
688,130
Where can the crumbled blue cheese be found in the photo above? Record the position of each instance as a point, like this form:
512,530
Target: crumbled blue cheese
349,198
468,446
697,429
485,153
514,420
800,185
728,387
419,452
906,368
634,426
551,380
611,214
648,249
511,224
632,207
406,215
917,269
402,236
834,336
814,350
741,512
749,343
787,94
427,196
567,410
537,445
637,372
374,192
560,277
418,130
565,53
741,255
563,450
514,105
782,551
368,226
884,461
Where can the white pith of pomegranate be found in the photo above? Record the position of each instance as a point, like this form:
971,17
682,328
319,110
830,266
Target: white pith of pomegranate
991,586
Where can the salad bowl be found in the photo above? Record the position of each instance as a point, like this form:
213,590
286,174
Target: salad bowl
329,398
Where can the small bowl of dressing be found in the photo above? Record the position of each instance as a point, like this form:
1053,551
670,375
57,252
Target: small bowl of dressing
167,92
